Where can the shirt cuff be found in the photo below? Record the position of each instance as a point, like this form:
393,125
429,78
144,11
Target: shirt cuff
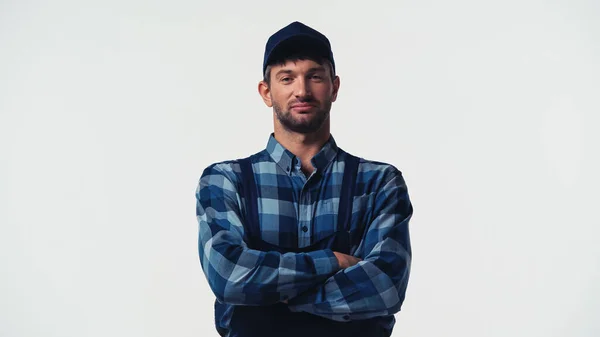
325,261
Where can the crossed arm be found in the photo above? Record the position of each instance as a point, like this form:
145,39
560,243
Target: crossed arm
322,282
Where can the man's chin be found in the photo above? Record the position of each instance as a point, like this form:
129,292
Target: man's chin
304,128
304,122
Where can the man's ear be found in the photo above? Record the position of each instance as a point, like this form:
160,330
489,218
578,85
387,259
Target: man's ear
336,88
265,93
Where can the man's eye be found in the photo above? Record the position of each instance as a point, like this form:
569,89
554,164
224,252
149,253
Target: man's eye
316,77
286,79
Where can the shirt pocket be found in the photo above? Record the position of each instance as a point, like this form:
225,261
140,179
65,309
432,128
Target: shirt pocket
325,219
327,207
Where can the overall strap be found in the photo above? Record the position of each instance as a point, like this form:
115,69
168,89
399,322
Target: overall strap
347,193
250,195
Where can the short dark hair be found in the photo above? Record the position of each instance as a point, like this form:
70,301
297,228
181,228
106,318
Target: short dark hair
298,57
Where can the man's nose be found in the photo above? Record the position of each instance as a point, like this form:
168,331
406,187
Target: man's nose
301,88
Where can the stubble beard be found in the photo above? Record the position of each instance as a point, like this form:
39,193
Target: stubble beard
304,126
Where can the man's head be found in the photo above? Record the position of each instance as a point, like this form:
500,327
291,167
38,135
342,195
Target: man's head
299,80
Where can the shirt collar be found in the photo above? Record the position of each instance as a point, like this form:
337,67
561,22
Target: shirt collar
286,159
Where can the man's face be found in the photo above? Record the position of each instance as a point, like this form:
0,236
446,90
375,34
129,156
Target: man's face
301,93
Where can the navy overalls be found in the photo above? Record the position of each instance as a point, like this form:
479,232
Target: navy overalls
277,319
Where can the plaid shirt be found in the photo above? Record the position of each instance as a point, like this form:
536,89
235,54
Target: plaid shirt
312,281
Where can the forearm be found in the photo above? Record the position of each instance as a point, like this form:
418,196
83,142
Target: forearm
373,287
242,276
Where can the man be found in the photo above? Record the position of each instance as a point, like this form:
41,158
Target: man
302,238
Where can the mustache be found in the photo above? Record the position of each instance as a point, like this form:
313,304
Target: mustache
308,100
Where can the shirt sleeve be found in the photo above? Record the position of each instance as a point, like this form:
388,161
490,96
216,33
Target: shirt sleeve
375,286
237,274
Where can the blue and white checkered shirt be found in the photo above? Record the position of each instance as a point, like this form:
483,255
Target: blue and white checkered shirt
311,281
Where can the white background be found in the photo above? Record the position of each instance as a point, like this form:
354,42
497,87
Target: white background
110,110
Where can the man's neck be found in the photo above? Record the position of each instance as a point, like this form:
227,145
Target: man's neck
303,146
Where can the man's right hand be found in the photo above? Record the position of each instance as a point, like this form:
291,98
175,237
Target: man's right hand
345,260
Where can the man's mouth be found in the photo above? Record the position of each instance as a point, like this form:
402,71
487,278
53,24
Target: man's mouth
302,107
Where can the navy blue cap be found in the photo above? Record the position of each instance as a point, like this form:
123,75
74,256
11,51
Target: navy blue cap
297,38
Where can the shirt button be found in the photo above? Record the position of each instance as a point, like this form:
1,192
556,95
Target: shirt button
304,229
346,317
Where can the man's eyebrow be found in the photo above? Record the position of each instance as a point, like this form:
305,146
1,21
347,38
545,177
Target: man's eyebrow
283,71
310,70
